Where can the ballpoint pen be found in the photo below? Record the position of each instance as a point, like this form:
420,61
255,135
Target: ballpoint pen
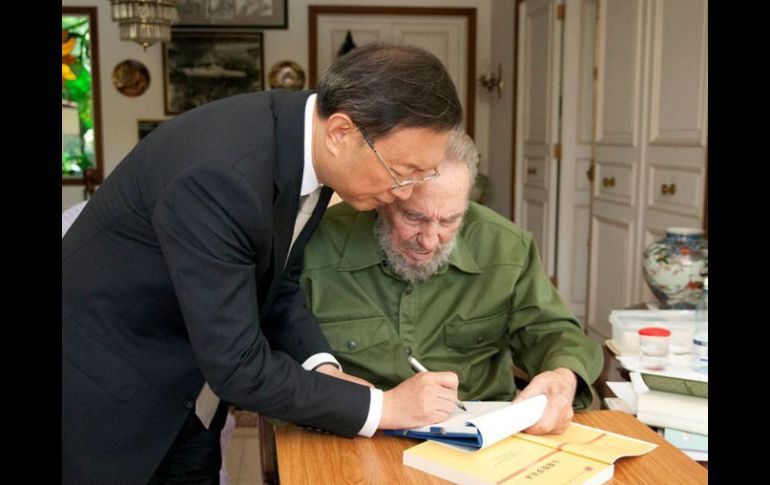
421,368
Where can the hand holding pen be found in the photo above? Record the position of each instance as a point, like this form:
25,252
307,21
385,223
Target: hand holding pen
423,399
421,368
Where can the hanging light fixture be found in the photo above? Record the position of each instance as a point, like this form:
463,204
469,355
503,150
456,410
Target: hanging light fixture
145,21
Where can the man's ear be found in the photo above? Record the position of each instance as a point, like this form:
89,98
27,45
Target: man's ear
339,130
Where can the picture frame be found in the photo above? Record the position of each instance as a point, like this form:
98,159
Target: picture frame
240,14
81,99
144,127
201,66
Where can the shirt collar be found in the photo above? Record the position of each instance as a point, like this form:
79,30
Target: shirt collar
361,249
309,178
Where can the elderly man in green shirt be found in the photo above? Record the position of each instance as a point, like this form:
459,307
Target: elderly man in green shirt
454,284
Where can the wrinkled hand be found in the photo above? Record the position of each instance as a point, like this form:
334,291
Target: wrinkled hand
425,398
331,370
559,386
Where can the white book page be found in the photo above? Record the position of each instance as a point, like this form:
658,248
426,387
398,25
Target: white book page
457,422
505,421
625,391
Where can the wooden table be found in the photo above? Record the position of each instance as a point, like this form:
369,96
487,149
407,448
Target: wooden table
305,457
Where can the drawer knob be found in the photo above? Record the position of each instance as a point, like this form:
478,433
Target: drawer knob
531,171
668,189
608,181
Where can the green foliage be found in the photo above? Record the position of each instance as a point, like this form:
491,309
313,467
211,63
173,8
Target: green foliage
79,90
74,163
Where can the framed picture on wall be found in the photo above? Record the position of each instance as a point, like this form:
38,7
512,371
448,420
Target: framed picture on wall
263,14
203,66
144,127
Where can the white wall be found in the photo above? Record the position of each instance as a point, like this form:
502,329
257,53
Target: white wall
120,113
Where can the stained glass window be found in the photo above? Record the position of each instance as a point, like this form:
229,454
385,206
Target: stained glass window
79,94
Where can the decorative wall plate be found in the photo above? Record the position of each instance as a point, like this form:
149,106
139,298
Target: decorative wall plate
286,75
131,78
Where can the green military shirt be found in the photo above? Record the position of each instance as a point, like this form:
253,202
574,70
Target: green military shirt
491,303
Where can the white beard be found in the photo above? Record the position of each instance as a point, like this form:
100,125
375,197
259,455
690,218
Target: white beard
406,270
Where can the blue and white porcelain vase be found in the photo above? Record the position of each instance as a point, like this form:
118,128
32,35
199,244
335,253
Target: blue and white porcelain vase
674,267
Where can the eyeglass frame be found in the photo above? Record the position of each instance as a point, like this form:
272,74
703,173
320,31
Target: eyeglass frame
397,184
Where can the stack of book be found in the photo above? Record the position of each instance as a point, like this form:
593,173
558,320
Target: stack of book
484,445
679,406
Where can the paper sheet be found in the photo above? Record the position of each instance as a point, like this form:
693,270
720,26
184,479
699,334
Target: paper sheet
625,391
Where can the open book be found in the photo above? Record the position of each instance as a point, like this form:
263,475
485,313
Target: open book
581,456
484,424
692,384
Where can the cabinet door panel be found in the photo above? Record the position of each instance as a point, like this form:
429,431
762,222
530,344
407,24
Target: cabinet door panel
615,182
678,107
536,172
619,72
537,124
611,275
675,189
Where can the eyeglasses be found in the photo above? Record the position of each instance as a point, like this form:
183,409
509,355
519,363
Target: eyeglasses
397,184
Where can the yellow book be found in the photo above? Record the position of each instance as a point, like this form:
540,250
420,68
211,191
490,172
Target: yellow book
582,455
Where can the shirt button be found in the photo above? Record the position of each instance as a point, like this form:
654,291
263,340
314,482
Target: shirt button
189,404
352,345
479,340
408,290
409,351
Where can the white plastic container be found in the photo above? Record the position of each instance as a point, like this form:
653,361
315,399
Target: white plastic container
653,345
627,323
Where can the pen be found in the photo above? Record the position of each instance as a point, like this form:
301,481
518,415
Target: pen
421,368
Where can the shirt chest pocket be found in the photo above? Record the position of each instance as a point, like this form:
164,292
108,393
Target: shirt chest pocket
476,333
355,336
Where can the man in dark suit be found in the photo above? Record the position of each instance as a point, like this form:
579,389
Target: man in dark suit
179,278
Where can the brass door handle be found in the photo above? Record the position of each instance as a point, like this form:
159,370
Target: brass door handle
668,189
590,173
608,181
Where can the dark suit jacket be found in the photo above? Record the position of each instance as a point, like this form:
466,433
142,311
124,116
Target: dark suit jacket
174,274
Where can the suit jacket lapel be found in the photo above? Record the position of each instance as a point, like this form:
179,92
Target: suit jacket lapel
289,112
285,211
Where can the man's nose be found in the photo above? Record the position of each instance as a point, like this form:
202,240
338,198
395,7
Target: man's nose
429,237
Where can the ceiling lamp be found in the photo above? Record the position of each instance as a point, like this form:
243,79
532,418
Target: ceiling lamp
145,21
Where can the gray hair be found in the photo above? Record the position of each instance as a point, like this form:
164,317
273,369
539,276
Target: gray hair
387,86
461,148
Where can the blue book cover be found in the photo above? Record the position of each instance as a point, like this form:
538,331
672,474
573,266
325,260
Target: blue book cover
483,424
472,440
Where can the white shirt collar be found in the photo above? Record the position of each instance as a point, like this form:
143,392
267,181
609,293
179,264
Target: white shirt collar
309,178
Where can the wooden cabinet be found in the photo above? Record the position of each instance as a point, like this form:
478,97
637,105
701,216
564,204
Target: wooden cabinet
650,134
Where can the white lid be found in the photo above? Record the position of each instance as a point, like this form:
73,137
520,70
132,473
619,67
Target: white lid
684,231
